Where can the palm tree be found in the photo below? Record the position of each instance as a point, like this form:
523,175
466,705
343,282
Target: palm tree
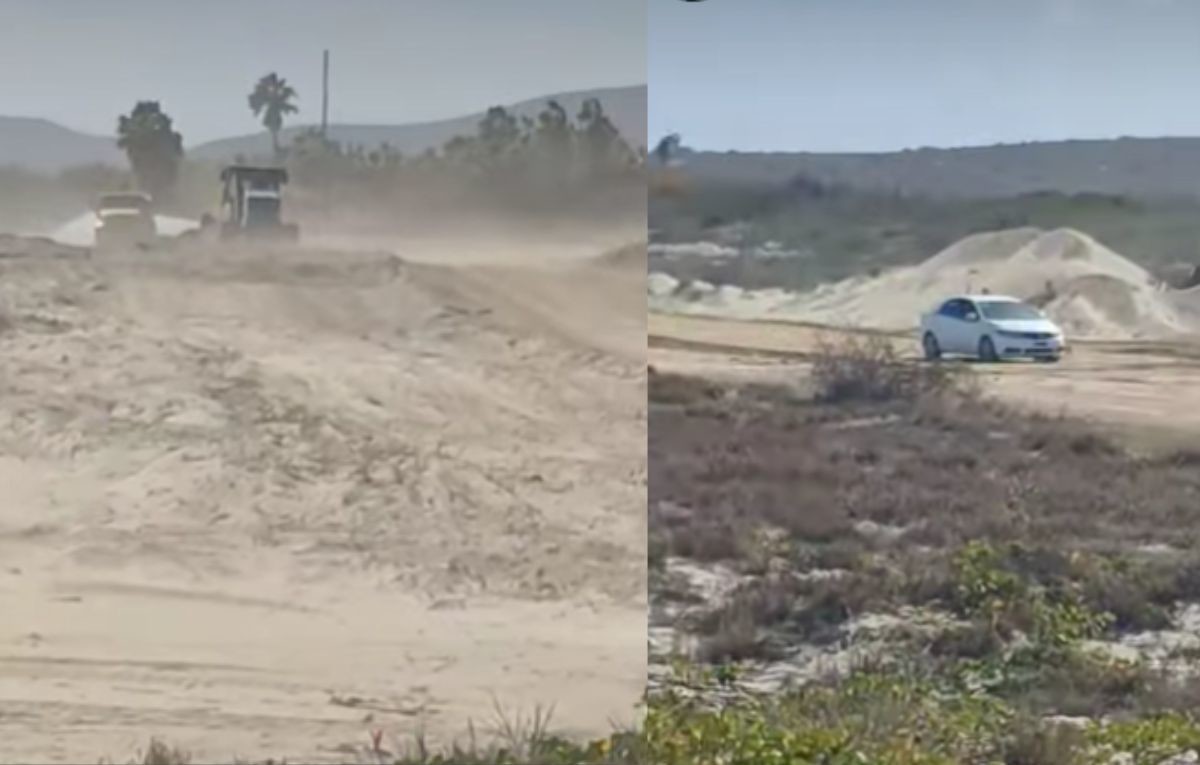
271,99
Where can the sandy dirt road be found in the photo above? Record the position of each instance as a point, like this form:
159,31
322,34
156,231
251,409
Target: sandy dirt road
1148,391
262,504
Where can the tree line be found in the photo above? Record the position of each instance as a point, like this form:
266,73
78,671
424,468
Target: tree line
551,153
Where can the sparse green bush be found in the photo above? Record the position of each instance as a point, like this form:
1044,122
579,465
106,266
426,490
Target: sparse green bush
896,717
1150,740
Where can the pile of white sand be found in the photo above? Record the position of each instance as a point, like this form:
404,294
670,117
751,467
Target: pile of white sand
701,249
1090,290
80,231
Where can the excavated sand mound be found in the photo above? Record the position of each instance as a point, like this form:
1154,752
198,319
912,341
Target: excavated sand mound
1091,290
299,495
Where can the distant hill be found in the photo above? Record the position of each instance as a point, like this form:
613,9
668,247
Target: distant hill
626,107
832,216
47,147
1144,167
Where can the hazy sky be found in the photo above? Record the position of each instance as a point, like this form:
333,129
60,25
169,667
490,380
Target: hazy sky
82,62
848,75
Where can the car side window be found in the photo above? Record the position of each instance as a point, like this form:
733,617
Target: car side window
969,310
951,309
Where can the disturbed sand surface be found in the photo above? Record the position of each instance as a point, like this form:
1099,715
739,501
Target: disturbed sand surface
262,504
1146,390
1135,357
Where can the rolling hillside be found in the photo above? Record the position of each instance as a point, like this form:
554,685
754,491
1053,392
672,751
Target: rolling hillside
1141,167
626,107
46,147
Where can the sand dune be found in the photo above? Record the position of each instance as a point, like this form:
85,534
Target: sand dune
1091,290
299,496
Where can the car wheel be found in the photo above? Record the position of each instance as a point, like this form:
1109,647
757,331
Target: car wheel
929,344
987,351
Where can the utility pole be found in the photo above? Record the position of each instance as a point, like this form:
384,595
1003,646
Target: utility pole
325,128
325,96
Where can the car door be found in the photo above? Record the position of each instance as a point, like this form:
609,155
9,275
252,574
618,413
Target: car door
970,327
948,323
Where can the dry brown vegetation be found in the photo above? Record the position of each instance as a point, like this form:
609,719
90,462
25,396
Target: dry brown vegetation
943,469
856,492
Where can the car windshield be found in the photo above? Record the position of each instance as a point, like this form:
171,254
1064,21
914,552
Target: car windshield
123,202
997,309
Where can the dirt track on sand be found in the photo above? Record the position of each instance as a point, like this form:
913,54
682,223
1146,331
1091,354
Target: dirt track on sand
1146,391
262,504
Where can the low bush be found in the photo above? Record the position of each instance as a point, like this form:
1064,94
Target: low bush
868,368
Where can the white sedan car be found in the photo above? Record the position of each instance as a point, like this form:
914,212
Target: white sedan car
990,328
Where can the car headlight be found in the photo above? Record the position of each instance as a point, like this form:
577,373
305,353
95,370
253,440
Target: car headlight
1006,333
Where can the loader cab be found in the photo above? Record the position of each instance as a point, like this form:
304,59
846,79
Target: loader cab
252,200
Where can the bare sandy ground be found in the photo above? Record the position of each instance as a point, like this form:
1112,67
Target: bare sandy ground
1148,391
262,504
